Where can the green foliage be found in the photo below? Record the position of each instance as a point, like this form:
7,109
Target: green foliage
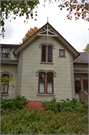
15,103
13,8
35,122
66,105
86,48
6,79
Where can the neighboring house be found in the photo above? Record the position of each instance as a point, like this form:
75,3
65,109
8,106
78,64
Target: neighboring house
44,66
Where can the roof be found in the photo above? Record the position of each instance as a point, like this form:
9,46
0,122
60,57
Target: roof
10,45
51,31
82,59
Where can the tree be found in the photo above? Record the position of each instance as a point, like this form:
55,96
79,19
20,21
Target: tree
86,48
78,8
29,34
13,8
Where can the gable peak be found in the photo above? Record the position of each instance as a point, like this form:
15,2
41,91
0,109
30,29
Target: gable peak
47,31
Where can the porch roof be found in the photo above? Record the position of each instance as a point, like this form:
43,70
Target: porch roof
83,58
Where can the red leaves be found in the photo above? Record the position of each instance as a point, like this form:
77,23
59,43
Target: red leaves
76,8
29,33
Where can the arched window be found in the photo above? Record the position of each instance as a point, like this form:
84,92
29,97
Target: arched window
4,84
45,83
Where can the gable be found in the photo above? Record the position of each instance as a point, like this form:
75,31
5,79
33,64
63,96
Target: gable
48,31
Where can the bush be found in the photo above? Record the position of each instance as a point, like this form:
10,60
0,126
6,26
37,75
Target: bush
35,122
18,102
66,105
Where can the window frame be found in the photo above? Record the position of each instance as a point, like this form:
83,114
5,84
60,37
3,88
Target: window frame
45,83
83,83
5,53
42,53
46,54
39,84
5,83
77,84
60,51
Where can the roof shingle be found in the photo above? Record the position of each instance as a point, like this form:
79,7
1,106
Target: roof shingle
82,58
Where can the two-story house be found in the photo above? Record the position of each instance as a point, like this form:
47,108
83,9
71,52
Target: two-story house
43,67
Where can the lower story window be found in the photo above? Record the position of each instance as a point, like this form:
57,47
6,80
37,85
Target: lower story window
45,83
4,84
77,84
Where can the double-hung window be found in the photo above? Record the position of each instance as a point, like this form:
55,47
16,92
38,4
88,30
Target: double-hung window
5,52
46,54
45,83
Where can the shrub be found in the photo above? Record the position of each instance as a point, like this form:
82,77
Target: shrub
18,102
66,105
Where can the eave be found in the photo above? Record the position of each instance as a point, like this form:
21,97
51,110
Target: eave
53,33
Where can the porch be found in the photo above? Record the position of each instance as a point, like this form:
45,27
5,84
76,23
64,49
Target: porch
81,86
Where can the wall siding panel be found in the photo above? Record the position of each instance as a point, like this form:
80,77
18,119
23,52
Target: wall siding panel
31,64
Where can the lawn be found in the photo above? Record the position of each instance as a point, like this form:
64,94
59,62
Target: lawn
64,121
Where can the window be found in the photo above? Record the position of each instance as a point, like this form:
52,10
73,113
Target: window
5,85
45,83
61,53
46,54
77,84
5,52
43,53
85,84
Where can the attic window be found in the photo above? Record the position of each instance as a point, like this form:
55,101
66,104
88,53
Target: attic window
5,52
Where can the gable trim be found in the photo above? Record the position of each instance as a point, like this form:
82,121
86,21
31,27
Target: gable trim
64,41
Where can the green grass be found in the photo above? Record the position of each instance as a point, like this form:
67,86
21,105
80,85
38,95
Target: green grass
35,122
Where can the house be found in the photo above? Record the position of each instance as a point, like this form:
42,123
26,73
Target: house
43,67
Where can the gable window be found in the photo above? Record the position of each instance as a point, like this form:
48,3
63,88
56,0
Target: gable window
46,54
77,84
5,84
5,52
61,53
45,83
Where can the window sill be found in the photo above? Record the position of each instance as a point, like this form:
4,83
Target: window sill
46,63
45,94
4,94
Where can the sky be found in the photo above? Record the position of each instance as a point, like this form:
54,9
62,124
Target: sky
75,32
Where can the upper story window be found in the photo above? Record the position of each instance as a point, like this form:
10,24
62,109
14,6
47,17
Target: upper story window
61,53
49,53
46,54
4,84
5,52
